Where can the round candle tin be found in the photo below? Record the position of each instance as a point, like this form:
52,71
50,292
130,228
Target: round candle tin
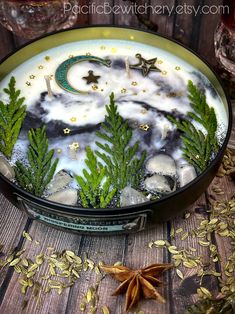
123,219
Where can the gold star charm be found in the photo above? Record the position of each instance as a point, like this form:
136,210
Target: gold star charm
94,87
88,54
146,66
32,77
178,68
123,91
74,146
114,50
67,131
73,119
28,83
144,127
40,67
134,83
91,78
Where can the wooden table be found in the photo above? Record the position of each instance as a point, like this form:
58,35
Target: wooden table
133,251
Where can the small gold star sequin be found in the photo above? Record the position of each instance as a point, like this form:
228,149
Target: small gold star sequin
32,77
51,77
123,91
144,127
144,111
94,87
74,146
134,83
47,58
28,83
71,56
73,119
67,131
102,47
178,68
114,50
40,67
59,151
164,73
160,62
88,54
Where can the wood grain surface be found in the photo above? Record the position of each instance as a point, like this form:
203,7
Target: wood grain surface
196,33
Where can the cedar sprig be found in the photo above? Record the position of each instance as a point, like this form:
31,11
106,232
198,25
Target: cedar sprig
120,158
96,190
35,177
12,115
198,146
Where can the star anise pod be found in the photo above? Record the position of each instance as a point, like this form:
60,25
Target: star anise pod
137,283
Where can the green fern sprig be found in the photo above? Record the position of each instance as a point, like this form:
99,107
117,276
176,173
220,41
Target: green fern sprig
122,165
95,186
12,116
40,171
198,146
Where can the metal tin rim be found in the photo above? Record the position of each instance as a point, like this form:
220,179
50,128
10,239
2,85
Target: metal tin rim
81,210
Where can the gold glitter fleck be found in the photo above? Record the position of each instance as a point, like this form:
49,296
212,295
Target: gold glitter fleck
51,76
71,56
144,127
132,37
123,91
160,62
197,157
102,47
106,83
144,90
28,83
101,90
32,77
144,111
59,151
40,67
178,68
94,87
73,119
164,72
74,146
114,50
134,83
47,58
67,131
88,54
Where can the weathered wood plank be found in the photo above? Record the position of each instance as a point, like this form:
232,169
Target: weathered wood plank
161,15
187,26
206,43
12,224
51,303
139,255
7,42
185,290
106,249
128,18
98,18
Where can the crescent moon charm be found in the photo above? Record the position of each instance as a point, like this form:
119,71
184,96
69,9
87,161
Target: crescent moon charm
61,75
